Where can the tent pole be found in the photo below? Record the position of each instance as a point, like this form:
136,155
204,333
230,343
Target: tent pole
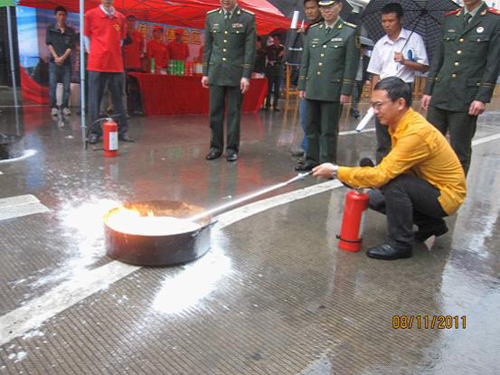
11,51
13,70
82,68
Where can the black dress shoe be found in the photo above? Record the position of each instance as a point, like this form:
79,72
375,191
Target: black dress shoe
387,252
423,234
126,138
94,138
277,109
213,155
232,156
354,113
366,162
304,167
298,153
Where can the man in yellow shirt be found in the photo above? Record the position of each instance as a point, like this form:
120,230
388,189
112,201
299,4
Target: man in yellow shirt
419,182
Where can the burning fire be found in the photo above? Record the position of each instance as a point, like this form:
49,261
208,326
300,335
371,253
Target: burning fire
130,221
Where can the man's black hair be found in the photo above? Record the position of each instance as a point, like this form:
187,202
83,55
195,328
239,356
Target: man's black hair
306,1
60,9
396,88
393,8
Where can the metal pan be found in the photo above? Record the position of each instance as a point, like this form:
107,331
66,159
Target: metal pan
159,250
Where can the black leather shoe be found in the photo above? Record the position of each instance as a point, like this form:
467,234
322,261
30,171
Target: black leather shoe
304,167
277,109
387,252
231,155
366,162
93,138
298,153
423,234
126,138
354,113
213,155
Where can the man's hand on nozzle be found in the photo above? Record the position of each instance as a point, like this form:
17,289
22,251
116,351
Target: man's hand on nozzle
326,170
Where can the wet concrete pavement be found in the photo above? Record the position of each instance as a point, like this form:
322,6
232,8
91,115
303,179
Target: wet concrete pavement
273,296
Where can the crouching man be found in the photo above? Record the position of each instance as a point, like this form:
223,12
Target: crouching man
419,182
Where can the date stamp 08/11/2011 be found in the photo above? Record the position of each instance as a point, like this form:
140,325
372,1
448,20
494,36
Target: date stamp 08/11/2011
429,322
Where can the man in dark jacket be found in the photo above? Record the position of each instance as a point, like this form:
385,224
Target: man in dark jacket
463,74
60,42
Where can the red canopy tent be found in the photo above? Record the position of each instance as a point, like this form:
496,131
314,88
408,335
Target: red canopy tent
186,13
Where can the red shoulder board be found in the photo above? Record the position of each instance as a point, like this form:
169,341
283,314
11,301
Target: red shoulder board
494,11
453,12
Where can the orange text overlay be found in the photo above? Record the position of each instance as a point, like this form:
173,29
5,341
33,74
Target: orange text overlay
429,322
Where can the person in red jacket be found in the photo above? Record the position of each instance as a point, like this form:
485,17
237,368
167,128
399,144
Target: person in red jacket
158,50
177,49
133,52
105,31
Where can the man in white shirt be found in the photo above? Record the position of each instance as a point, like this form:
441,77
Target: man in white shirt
400,53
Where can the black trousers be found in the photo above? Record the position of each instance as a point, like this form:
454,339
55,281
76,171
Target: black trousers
219,96
273,91
356,93
462,128
97,83
383,141
407,200
134,91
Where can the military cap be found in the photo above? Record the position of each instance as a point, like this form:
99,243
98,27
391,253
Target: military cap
179,31
327,3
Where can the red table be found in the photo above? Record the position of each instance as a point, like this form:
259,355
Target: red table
184,95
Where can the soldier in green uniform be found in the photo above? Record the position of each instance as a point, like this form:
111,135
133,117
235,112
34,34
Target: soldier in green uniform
329,64
228,58
463,74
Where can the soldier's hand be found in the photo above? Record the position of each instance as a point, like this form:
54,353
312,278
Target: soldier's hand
301,30
325,170
399,58
302,94
344,99
426,99
244,85
476,108
204,81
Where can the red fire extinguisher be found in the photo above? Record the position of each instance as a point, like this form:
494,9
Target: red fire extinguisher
351,232
110,138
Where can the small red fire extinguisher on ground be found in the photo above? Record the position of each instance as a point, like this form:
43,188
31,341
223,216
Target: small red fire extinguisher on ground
110,137
351,232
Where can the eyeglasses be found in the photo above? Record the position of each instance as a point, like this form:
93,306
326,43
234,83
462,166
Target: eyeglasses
378,105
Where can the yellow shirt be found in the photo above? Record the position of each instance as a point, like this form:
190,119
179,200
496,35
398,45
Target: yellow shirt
418,148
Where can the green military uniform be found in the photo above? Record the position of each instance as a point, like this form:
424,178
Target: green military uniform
465,68
228,55
329,64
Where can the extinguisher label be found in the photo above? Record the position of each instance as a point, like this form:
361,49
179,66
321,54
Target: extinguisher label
113,141
362,224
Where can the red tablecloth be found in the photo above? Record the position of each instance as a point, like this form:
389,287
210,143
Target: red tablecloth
175,95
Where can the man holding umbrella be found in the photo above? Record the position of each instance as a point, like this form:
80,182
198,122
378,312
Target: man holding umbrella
463,74
329,65
400,53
